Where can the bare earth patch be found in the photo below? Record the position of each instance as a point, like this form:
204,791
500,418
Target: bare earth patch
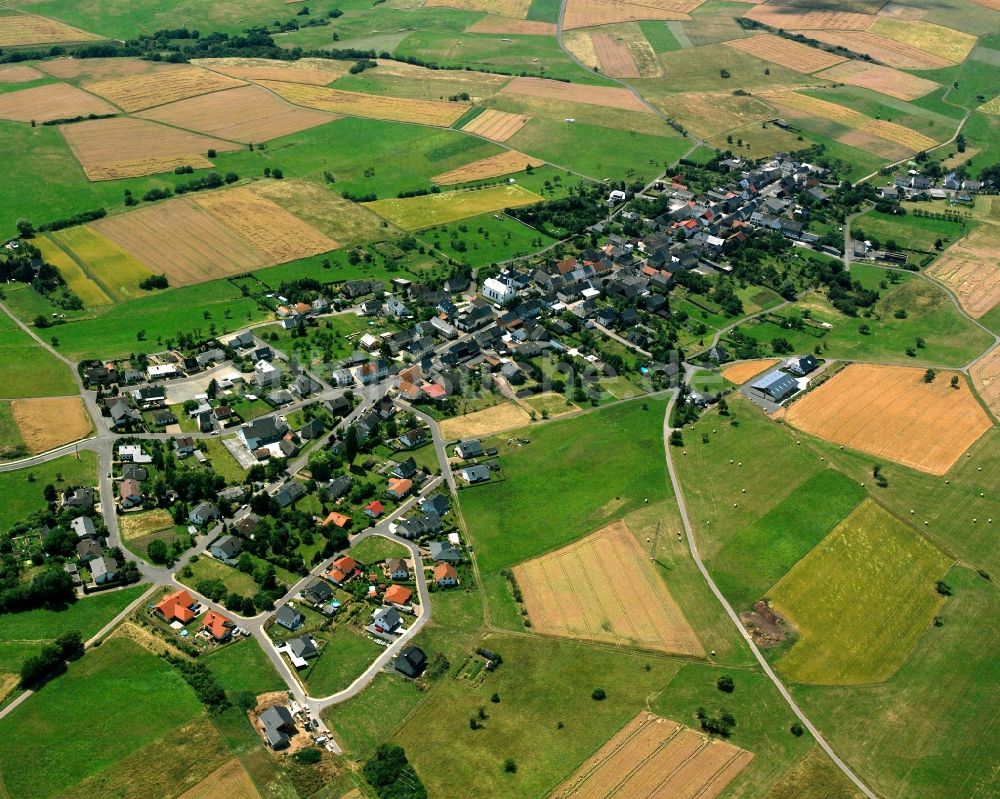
890,412
122,147
52,101
49,423
506,416
739,373
604,588
786,53
654,757
986,377
880,79
494,166
605,96
496,125
135,93
971,269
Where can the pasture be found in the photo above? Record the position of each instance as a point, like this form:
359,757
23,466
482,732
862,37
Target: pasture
22,489
486,239
601,465
505,416
496,125
30,370
651,755
604,588
860,600
50,101
122,147
971,269
814,777
415,213
505,25
49,423
109,266
892,412
138,92
491,167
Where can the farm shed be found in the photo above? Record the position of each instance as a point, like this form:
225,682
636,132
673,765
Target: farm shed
775,386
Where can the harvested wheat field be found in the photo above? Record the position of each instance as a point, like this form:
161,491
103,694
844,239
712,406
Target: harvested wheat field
517,27
971,269
315,71
850,118
707,114
110,149
881,48
49,423
326,211
374,106
17,29
604,96
986,378
494,166
591,13
792,18
266,225
506,416
991,106
183,241
653,757
137,92
103,68
604,588
505,8
147,522
740,373
786,53
496,125
873,144
19,74
614,56
52,101
994,4
886,80
944,42
890,412
246,114
229,780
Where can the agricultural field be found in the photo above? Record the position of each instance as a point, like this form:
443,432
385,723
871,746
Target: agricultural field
494,166
606,97
787,53
506,416
109,267
415,213
50,101
948,43
20,74
230,779
814,777
740,373
45,424
623,51
29,369
986,377
588,13
138,92
604,588
20,29
656,755
860,600
496,125
969,268
893,82
314,71
890,52
892,412
791,17
499,24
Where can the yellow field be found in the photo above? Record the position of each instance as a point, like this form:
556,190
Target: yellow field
137,525
505,416
581,45
786,53
516,9
145,91
374,106
78,281
49,423
22,29
316,71
51,101
117,272
971,269
991,106
708,114
494,166
266,225
415,213
496,125
944,42
229,781
889,131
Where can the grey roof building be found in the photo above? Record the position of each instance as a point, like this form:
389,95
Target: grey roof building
776,386
277,724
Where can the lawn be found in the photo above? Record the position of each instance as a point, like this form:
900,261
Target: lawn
415,213
860,600
30,370
486,239
590,470
22,489
11,443
345,656
223,462
206,568
375,548
760,554
151,700
243,666
909,232
371,717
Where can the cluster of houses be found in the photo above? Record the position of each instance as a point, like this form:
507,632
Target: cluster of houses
91,548
179,609
914,185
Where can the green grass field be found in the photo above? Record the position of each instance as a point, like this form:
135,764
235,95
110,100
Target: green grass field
910,232
11,443
375,548
22,495
104,262
29,370
760,554
486,239
814,777
223,462
206,568
860,600
415,213
575,476
344,657
72,272
149,699
242,666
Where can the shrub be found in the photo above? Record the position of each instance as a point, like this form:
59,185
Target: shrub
725,684
598,695
307,757
510,766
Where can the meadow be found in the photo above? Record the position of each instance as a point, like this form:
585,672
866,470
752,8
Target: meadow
375,548
591,469
910,232
243,666
29,369
486,239
22,489
344,657
859,601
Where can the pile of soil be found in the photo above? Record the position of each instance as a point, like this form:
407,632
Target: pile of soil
765,626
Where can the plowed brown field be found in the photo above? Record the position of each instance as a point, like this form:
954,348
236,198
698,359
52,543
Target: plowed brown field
886,80
496,125
229,781
971,269
109,149
19,74
49,423
789,18
881,48
315,71
590,13
52,101
246,114
521,27
739,373
604,588
604,96
890,412
615,57
652,757
494,166
104,68
986,377
146,91
17,29
786,53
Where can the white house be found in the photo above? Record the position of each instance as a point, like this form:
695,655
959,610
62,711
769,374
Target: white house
161,370
132,453
497,292
266,374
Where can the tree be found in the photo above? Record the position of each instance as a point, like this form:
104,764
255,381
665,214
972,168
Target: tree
676,439
49,492
351,444
725,684
929,376
157,551
308,757
864,330
495,699
25,228
510,766
954,381
598,695
796,730
70,644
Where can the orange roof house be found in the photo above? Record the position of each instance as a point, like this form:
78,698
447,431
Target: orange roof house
399,488
445,574
398,594
346,563
336,519
342,569
218,625
176,607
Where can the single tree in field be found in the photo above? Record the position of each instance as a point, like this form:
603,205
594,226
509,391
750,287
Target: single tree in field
929,376
954,381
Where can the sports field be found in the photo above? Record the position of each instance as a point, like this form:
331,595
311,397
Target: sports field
892,412
415,213
651,757
604,588
48,423
860,600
